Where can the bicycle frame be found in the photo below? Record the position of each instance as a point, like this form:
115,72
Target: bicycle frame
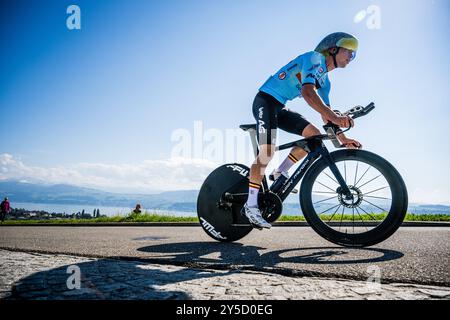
225,191
315,149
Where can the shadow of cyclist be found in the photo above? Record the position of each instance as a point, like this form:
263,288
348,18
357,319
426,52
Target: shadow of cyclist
217,253
123,278
110,279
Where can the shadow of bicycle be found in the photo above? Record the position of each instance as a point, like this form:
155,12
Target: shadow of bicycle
217,253
121,278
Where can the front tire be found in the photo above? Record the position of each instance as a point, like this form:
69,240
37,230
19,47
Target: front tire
381,207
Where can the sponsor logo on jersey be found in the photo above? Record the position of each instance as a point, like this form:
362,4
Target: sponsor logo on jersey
314,66
282,75
292,67
320,70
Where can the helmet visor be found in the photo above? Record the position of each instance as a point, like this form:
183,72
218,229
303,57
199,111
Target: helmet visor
348,43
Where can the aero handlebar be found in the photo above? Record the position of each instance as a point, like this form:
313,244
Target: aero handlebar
331,129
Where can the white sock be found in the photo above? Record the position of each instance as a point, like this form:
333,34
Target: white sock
253,190
287,163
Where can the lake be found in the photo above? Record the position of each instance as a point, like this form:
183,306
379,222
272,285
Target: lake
108,211
288,208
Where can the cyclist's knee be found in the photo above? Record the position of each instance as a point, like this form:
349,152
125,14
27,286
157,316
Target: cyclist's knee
310,130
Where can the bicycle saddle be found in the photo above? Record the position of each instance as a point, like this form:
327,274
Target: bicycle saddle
247,127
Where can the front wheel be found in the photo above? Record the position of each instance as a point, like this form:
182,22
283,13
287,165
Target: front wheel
376,210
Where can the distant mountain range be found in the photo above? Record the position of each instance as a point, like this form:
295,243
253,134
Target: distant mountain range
185,200
67,194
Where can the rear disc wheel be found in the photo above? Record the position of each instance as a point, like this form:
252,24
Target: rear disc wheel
222,221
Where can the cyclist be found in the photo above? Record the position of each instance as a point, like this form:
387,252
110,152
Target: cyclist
305,76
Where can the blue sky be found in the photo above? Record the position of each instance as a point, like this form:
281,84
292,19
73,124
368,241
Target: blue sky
98,106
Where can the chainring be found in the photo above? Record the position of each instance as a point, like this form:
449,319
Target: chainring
270,206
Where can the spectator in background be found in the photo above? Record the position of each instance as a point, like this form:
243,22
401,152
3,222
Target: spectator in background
137,210
5,208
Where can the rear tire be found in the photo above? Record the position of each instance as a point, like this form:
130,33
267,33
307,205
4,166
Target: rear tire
217,222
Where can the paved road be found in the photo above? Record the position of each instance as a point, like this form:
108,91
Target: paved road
419,255
39,276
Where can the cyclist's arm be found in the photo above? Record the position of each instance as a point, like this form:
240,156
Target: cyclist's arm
315,101
324,93
308,80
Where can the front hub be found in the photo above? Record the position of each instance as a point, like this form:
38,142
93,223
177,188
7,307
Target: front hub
350,202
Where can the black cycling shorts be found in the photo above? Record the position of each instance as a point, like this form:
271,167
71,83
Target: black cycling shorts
271,114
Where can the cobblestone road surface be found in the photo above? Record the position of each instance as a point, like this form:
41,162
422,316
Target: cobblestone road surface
53,276
418,255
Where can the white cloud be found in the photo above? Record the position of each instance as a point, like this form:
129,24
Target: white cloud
148,176
152,176
429,195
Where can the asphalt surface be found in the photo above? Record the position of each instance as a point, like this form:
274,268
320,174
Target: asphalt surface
419,255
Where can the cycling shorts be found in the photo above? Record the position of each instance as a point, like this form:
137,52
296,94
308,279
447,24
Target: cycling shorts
271,114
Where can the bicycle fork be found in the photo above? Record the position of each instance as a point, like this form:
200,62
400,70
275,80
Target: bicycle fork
337,174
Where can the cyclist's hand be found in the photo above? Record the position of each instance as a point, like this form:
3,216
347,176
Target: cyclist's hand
343,121
351,143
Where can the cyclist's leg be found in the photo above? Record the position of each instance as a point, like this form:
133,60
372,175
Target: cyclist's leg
295,123
310,131
265,110
258,168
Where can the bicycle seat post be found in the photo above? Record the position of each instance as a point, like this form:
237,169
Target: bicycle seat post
255,146
251,129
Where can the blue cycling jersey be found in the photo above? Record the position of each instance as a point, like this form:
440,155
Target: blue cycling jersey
287,83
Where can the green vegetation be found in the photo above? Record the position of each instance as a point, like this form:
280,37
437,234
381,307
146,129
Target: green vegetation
372,217
427,217
144,217
152,217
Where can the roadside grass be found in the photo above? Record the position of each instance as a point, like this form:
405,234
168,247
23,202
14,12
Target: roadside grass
372,217
153,217
143,217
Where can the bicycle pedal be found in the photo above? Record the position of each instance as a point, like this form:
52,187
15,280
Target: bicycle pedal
254,226
241,225
246,225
